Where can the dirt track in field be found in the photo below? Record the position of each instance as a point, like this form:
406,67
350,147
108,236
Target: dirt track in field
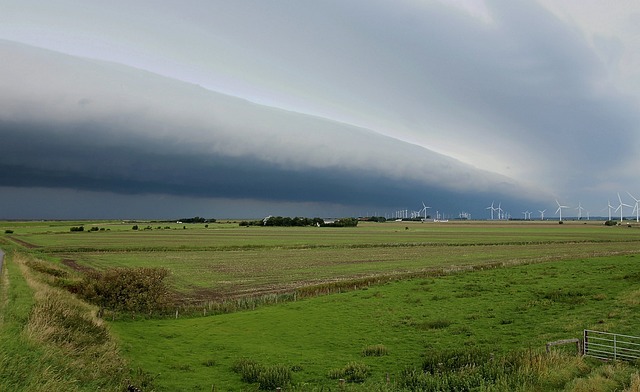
23,243
74,265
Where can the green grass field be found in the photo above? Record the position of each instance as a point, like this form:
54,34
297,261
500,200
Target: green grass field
498,310
497,287
225,260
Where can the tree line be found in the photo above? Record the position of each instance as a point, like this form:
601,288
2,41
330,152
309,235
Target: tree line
300,222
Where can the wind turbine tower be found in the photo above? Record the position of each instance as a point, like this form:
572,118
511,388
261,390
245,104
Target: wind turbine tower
559,210
424,208
542,214
492,209
620,206
635,208
609,207
579,208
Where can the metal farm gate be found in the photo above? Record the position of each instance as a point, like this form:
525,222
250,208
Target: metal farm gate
611,346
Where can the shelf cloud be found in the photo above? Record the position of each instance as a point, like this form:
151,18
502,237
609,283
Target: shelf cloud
100,127
245,108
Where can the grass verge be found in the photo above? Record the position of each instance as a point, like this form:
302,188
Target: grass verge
51,341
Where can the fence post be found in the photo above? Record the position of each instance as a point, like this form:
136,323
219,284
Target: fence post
585,343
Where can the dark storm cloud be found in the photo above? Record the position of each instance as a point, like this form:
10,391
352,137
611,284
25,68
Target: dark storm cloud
508,87
94,126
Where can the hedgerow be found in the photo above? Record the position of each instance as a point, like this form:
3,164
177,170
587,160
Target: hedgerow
126,289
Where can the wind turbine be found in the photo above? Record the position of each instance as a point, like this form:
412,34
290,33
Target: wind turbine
579,208
609,207
491,208
500,211
635,208
542,214
560,207
424,208
620,206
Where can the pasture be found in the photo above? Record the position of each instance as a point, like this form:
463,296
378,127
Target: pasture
410,287
225,260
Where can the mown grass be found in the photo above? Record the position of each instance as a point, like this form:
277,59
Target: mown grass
322,334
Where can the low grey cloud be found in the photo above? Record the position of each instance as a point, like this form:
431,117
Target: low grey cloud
100,127
388,102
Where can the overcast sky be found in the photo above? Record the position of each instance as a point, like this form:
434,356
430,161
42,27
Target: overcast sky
165,109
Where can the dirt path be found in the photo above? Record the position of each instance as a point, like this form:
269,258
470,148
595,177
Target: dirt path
24,243
1,260
73,264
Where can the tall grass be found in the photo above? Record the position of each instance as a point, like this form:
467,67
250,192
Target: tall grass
266,377
50,340
459,370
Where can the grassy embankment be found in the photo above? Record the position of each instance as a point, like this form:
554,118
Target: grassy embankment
50,340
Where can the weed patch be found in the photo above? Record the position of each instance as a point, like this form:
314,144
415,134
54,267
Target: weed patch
572,297
432,324
46,268
355,372
377,350
267,377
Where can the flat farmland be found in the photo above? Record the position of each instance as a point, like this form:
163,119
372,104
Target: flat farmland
413,288
119,236
225,260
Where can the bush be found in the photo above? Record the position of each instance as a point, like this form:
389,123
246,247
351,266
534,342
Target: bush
126,289
8,231
77,228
